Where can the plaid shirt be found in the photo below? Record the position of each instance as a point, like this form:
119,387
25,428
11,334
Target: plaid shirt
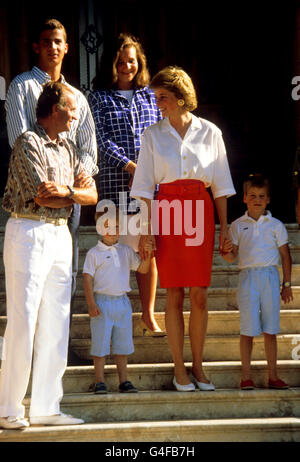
119,126
33,158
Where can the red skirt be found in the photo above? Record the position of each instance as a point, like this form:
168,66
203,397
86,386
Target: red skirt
183,225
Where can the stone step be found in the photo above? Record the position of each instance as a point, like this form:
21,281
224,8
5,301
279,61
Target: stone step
222,276
264,429
219,323
155,376
217,258
146,377
217,348
174,405
219,299
88,236
150,377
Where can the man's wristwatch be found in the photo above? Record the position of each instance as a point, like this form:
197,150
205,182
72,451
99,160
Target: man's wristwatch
286,284
72,191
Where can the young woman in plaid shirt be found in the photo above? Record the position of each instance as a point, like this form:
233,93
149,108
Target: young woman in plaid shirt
123,106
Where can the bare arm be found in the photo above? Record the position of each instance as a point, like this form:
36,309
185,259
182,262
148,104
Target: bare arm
145,263
286,261
221,206
56,196
93,308
146,228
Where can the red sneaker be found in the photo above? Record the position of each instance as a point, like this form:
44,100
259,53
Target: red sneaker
247,384
278,384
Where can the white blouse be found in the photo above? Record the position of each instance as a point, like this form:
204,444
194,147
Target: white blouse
166,157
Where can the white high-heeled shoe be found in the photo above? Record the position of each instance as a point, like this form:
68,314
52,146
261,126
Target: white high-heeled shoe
188,387
203,386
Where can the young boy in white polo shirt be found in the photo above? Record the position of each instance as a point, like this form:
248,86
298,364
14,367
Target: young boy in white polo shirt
106,276
258,240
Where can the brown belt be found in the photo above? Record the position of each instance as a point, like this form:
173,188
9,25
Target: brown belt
53,221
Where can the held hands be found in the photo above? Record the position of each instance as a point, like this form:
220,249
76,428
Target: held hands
223,237
227,247
146,245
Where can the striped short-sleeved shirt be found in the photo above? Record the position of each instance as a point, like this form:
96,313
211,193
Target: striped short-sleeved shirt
33,159
20,105
119,127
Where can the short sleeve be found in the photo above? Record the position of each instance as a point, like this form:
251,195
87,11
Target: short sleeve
89,265
233,233
281,234
221,182
144,179
134,259
28,165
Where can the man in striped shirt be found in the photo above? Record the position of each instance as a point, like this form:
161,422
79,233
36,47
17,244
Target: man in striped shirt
51,46
38,261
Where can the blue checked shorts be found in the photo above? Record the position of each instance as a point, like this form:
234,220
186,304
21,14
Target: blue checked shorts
258,298
112,327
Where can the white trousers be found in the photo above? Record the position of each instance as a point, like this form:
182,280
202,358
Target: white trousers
38,270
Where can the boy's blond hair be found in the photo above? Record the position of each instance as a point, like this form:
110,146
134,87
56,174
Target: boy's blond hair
256,180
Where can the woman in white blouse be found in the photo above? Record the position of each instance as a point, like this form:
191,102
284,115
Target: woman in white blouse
184,155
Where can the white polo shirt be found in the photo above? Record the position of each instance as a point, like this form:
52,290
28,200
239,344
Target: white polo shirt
258,241
110,267
166,157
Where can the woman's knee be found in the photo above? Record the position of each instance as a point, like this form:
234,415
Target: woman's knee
198,297
175,296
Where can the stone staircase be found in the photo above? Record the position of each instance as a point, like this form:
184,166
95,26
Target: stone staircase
158,413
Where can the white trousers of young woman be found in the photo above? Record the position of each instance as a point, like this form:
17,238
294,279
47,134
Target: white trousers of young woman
38,276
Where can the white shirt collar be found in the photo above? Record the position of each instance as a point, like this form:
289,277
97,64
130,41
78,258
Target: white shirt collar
262,218
113,250
195,124
107,247
43,77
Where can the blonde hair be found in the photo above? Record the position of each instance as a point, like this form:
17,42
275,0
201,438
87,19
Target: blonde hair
176,80
256,180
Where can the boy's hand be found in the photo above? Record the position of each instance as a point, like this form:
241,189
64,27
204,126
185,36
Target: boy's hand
287,294
146,245
227,247
94,311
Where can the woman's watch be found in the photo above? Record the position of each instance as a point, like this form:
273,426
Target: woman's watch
286,284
